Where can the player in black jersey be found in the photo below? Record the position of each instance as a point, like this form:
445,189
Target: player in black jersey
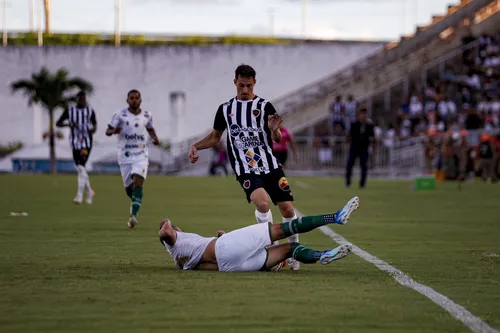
252,125
82,122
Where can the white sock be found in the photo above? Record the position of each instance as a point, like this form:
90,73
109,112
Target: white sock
87,181
265,218
292,238
81,182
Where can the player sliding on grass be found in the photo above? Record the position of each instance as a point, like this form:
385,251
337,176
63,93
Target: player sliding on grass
248,249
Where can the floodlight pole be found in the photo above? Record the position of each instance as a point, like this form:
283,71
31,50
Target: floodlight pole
304,19
117,22
40,32
4,23
32,15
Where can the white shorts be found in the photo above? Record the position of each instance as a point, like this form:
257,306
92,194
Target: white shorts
135,168
243,249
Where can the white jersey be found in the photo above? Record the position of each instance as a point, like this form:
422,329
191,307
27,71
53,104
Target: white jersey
188,249
133,139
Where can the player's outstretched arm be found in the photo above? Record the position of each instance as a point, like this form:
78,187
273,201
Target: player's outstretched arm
152,134
207,142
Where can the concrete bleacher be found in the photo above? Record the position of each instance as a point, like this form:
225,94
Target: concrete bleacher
378,72
203,73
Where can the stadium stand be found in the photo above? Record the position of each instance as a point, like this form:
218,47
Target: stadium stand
434,80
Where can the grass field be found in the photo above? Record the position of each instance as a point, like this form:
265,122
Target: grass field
68,268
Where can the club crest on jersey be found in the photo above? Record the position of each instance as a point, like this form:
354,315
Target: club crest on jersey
246,184
252,158
256,112
126,123
283,184
136,125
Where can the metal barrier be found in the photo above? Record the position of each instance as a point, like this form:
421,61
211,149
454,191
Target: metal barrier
393,159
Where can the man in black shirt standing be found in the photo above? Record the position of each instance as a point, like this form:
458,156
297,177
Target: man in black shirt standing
252,125
361,136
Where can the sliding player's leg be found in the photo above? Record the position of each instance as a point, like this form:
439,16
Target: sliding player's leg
307,223
305,255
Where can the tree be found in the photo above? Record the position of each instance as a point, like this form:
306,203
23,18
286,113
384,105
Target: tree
51,91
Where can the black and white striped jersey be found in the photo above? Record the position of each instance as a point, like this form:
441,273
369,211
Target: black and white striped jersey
83,122
249,142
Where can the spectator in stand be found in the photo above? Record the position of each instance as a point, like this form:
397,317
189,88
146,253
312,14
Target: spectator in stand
281,148
472,119
350,107
416,110
405,127
487,158
463,153
447,154
430,152
447,110
337,112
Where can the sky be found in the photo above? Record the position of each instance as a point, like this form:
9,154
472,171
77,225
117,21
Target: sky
384,20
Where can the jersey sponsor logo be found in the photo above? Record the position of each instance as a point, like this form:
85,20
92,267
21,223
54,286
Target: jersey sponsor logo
283,184
235,130
258,169
138,137
246,184
135,146
134,153
252,158
247,142
256,112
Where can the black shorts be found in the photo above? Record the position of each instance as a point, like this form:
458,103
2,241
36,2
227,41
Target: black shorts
282,156
81,156
275,184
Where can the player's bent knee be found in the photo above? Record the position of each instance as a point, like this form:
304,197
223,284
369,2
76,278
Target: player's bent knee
261,200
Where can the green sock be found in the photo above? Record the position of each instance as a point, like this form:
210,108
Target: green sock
306,224
136,200
304,254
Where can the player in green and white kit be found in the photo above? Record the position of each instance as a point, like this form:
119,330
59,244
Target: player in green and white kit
133,125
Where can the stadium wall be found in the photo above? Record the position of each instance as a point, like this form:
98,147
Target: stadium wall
203,73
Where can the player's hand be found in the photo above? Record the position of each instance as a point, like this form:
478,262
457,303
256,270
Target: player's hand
220,233
117,130
274,121
156,142
193,154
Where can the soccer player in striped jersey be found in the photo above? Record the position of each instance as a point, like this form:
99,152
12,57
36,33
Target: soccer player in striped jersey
82,123
252,125
133,125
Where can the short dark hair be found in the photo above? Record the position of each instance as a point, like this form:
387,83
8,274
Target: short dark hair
81,93
133,91
363,110
245,71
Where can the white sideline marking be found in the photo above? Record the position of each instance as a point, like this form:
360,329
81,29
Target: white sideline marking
457,311
302,185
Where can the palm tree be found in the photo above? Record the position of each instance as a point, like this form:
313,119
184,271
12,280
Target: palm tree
51,91
46,5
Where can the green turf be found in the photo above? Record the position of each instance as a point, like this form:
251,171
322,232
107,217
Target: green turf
67,268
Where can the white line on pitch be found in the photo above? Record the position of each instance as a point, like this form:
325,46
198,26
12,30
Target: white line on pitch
457,311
